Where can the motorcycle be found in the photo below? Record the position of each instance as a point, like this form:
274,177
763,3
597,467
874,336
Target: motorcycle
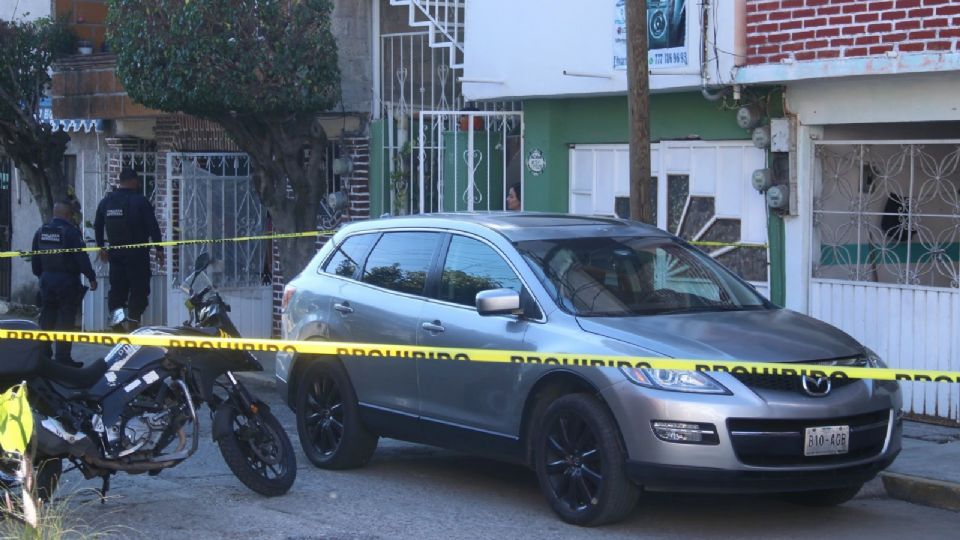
135,411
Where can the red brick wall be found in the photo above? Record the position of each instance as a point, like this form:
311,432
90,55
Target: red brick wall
827,29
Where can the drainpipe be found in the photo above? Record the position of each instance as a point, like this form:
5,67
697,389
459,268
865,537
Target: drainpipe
375,55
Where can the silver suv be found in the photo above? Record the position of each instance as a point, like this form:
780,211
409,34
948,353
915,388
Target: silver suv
596,437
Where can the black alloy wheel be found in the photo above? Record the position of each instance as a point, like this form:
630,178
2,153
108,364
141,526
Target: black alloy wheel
328,419
580,463
573,463
324,421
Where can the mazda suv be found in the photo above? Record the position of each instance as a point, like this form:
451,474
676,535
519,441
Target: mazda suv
536,284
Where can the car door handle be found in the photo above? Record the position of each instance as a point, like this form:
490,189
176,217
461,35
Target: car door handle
343,308
434,326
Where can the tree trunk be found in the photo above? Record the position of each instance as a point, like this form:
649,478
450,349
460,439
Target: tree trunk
289,184
37,153
638,90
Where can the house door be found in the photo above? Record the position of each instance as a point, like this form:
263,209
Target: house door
885,256
702,191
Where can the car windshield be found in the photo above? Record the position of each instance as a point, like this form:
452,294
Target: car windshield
623,276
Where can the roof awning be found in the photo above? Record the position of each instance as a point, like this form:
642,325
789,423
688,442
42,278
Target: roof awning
76,126
67,125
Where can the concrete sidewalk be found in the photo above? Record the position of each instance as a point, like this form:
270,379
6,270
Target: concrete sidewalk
927,472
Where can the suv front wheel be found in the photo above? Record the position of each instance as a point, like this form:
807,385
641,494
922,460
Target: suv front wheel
580,462
328,419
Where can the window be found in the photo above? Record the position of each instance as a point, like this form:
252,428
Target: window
616,277
349,255
472,266
400,261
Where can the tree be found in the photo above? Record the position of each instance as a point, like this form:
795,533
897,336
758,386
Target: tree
638,89
261,69
27,49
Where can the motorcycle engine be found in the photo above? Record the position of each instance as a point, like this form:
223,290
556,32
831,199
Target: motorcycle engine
142,433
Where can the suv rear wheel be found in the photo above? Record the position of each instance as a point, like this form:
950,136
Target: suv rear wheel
328,419
580,463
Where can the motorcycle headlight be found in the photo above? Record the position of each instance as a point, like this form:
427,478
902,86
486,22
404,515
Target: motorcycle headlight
674,380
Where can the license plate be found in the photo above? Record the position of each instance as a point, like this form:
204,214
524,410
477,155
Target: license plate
826,441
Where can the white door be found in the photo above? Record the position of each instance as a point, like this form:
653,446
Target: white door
703,193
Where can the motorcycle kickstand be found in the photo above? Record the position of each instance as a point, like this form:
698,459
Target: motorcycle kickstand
104,488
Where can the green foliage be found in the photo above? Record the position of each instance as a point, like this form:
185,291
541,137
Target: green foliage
27,49
209,57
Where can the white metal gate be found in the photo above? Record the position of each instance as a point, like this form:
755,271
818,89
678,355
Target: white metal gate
886,256
211,196
440,153
466,160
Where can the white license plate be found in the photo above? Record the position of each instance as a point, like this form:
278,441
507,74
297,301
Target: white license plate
826,440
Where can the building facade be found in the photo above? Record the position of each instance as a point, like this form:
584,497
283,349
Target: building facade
576,116
873,227
198,180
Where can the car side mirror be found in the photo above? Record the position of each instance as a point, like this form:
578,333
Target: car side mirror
498,302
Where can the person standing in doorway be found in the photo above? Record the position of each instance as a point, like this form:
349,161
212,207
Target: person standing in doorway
128,218
513,197
60,289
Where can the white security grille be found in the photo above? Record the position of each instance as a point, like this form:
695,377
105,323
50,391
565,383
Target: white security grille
216,201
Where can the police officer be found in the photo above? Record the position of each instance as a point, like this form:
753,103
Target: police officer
59,273
128,218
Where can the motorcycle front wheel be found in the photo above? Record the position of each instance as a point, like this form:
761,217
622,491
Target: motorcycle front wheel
258,453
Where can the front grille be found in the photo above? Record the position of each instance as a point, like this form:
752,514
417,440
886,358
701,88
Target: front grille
764,442
783,383
787,383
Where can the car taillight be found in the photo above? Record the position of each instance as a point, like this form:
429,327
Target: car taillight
287,295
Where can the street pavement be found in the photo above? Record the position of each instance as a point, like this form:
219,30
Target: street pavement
414,491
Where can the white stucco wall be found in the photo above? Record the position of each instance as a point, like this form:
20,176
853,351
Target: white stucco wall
524,47
24,9
923,97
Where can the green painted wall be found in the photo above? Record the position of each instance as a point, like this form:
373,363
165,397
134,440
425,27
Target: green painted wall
552,125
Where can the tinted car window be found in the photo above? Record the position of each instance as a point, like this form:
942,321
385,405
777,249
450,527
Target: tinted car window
472,266
400,261
349,255
611,277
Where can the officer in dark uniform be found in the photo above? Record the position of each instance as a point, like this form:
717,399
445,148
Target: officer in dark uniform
128,218
59,273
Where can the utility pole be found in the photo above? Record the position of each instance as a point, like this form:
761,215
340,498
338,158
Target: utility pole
638,99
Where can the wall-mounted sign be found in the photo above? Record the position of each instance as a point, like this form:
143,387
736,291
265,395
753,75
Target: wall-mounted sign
536,162
666,34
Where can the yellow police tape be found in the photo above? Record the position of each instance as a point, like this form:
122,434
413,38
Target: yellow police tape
278,236
483,355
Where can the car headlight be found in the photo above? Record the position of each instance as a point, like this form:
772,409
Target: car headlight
874,360
674,380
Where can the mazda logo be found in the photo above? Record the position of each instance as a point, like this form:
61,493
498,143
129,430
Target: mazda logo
816,386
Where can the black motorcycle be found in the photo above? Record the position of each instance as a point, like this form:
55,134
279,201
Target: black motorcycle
136,410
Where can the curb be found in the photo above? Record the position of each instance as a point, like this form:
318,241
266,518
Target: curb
924,491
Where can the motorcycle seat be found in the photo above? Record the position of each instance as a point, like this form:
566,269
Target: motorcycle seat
72,377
